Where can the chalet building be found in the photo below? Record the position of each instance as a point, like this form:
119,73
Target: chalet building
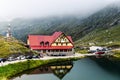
56,44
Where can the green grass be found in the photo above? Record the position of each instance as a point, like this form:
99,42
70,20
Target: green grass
102,37
3,78
11,47
116,54
13,69
84,51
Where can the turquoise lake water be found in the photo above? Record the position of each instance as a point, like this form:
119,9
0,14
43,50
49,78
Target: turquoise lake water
84,69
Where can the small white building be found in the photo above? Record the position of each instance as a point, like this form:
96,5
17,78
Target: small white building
95,48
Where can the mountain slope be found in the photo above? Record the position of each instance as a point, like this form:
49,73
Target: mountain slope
104,26
102,20
11,47
102,37
22,27
78,28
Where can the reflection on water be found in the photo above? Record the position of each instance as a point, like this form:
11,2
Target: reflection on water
84,69
61,69
58,69
108,65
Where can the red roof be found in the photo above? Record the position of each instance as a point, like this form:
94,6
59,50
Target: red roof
34,41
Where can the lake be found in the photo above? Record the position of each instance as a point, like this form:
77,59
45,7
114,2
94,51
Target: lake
84,69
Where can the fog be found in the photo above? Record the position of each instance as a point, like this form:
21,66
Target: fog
10,9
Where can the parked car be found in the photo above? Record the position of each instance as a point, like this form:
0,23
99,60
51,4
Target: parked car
62,54
11,59
21,57
2,59
91,51
41,55
100,52
35,56
29,57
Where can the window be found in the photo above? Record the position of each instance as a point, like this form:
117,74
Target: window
66,44
62,40
48,50
70,50
58,40
61,50
57,44
65,50
52,50
41,43
47,43
57,50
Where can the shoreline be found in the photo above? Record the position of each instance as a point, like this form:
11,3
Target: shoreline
8,70
12,69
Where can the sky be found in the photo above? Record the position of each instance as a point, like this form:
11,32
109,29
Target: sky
10,9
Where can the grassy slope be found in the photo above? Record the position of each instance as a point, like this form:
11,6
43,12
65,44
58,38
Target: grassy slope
116,55
11,47
102,36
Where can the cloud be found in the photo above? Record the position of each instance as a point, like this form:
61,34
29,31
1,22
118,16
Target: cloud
40,8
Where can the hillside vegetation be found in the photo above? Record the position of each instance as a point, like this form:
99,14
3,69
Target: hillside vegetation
102,37
11,47
22,27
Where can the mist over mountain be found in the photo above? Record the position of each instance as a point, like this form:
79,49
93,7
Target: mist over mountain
103,26
11,9
82,29
22,27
